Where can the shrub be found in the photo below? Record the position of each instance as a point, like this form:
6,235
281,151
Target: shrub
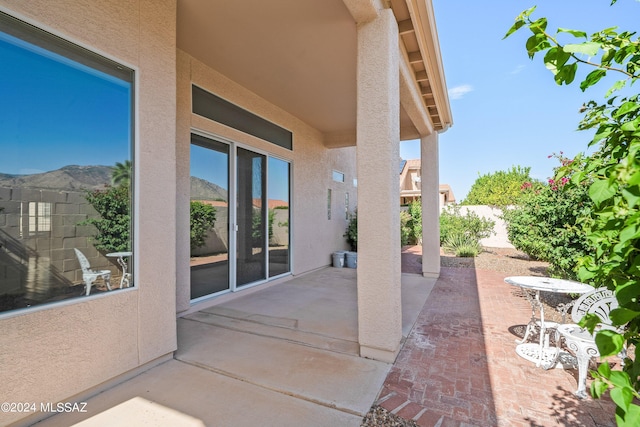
415,222
257,226
500,188
405,229
411,224
453,222
612,175
352,231
114,223
202,220
462,245
546,225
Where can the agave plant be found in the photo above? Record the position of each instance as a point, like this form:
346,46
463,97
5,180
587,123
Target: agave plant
462,245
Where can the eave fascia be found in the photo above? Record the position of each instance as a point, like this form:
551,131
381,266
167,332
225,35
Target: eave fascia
411,97
422,14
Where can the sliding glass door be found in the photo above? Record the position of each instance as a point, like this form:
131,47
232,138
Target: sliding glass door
251,211
278,216
209,216
239,206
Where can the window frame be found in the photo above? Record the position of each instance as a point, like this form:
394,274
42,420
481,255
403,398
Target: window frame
63,49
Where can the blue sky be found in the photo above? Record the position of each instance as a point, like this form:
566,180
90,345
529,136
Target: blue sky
55,112
507,110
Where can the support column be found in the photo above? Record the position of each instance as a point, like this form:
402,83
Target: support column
430,192
378,152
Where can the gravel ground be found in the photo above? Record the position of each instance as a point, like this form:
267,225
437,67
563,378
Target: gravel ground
513,263
504,260
380,417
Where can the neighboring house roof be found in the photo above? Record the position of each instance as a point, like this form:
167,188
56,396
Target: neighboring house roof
448,193
402,163
214,203
411,181
273,203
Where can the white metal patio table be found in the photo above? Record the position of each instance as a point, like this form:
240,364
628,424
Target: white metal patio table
540,353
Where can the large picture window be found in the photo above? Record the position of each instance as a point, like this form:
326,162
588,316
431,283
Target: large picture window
66,169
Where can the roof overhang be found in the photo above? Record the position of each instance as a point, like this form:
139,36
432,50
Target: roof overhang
301,56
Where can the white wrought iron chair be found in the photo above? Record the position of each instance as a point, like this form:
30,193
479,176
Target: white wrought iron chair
578,340
88,275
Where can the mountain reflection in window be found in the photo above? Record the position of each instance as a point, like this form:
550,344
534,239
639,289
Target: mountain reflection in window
66,135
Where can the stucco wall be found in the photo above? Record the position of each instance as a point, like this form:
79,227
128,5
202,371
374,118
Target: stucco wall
51,353
314,237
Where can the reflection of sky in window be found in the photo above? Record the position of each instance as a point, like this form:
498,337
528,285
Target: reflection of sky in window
256,181
54,112
209,165
278,182
212,166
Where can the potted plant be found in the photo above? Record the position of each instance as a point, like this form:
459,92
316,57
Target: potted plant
352,231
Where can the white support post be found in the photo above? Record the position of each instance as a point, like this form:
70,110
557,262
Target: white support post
430,192
378,152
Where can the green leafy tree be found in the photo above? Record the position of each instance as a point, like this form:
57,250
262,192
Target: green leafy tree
612,175
500,188
114,222
202,220
113,204
121,174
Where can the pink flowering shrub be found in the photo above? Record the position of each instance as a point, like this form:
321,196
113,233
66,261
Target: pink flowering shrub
545,224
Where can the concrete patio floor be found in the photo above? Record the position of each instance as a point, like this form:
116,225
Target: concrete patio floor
287,355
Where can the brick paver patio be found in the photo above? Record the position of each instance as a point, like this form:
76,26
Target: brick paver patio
458,366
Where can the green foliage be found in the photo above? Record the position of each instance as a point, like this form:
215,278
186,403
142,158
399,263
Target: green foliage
415,224
452,222
257,229
121,175
461,234
405,229
546,224
462,244
411,224
612,175
271,216
202,220
500,188
352,231
114,224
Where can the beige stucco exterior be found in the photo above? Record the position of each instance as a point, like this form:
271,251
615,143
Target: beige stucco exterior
368,75
54,352
314,236
411,185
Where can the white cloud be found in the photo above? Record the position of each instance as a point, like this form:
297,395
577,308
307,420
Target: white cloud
518,69
458,92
